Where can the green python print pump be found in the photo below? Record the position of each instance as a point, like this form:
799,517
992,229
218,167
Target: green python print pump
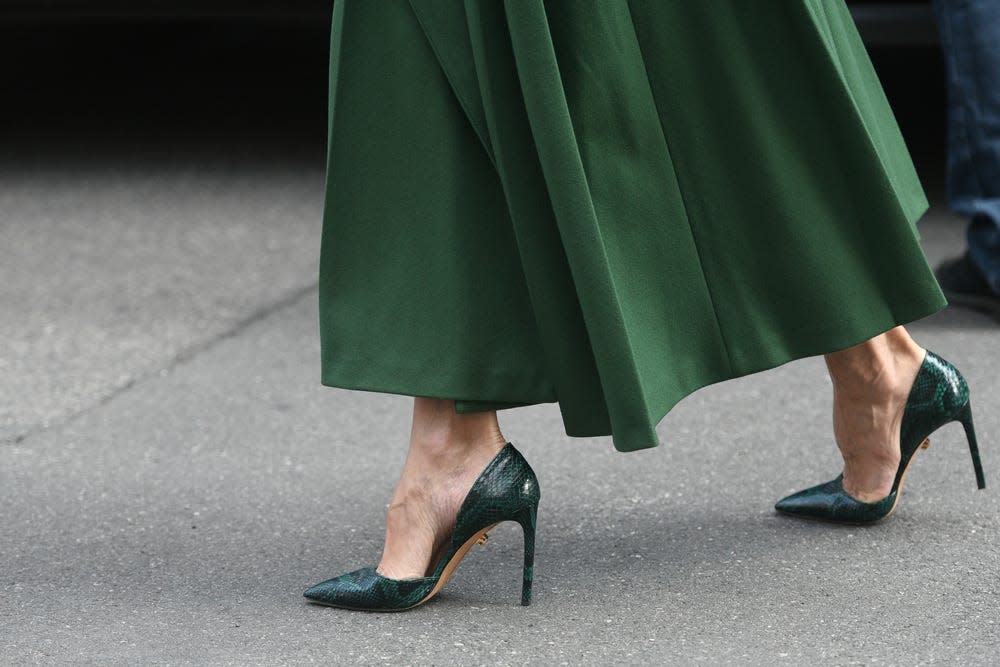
506,490
940,395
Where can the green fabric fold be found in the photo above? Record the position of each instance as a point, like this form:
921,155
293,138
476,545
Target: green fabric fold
607,204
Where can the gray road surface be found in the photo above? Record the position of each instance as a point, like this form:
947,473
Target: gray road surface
172,475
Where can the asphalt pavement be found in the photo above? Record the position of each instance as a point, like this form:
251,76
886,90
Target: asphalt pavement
173,476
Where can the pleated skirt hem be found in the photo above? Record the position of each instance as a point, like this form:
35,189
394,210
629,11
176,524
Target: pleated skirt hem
500,391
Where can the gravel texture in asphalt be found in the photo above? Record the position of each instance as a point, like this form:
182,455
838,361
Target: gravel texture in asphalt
173,476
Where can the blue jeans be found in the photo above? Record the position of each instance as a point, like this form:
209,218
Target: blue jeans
970,40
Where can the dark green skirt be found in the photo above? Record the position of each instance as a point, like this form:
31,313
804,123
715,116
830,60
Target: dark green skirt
608,204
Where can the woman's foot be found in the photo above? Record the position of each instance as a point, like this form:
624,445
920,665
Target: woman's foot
448,451
871,384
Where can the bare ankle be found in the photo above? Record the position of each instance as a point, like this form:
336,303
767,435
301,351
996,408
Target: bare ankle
878,370
439,431
447,452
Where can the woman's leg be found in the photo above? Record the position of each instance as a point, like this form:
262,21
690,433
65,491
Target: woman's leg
871,383
447,453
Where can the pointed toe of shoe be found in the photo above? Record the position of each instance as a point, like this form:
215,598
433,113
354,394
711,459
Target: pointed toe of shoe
801,503
367,590
339,591
325,591
816,501
829,502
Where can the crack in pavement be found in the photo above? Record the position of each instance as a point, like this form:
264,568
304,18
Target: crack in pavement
289,300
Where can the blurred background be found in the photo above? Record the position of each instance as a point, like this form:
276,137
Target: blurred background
209,79
161,177
95,79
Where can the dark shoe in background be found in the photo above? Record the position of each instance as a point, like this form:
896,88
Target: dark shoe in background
964,285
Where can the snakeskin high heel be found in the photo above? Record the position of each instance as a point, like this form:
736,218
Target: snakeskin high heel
506,490
940,395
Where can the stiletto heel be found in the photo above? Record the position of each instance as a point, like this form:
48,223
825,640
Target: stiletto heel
506,490
528,521
970,435
939,396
